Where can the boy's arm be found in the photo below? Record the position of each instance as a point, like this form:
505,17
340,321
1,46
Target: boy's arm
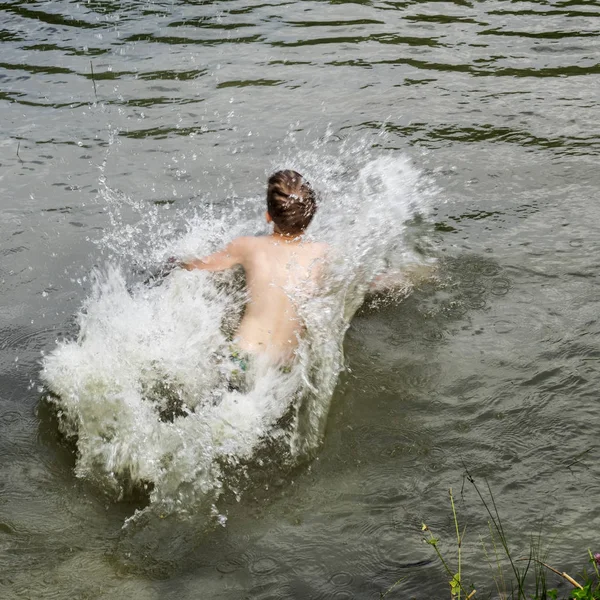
397,279
232,255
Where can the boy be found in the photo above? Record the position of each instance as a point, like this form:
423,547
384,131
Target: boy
278,267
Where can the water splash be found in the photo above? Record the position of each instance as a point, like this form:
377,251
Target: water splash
142,386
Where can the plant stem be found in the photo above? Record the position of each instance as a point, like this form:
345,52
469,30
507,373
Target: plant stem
93,80
594,563
458,540
495,517
381,596
563,575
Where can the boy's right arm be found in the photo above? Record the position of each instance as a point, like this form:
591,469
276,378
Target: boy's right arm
232,255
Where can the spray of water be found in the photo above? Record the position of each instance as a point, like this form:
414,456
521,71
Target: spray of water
142,387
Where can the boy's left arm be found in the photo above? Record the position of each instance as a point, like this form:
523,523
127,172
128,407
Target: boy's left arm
398,279
232,255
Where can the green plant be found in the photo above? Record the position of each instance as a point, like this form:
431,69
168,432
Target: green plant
514,587
456,582
590,590
497,529
586,592
384,594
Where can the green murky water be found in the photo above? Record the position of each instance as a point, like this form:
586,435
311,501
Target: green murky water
493,367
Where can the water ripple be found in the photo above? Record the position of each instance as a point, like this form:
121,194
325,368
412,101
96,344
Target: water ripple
417,47
49,18
511,84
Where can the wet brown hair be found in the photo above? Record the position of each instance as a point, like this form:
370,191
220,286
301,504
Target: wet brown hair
291,202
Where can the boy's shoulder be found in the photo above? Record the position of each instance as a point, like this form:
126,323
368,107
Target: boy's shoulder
242,243
245,247
256,243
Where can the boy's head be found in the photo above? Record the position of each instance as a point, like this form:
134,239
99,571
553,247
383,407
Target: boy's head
291,202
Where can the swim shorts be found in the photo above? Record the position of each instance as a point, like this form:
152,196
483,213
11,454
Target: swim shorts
236,366
237,370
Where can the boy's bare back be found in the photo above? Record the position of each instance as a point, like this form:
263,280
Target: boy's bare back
282,269
280,273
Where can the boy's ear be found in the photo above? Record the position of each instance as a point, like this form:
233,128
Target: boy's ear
268,217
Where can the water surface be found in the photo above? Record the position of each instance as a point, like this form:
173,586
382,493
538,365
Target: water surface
175,106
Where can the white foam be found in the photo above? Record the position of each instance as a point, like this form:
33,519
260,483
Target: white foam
136,340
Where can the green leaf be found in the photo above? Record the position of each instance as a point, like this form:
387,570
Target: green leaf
583,594
455,585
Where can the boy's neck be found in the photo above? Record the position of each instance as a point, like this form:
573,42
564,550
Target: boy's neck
282,237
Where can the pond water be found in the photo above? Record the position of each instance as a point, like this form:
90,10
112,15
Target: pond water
463,135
